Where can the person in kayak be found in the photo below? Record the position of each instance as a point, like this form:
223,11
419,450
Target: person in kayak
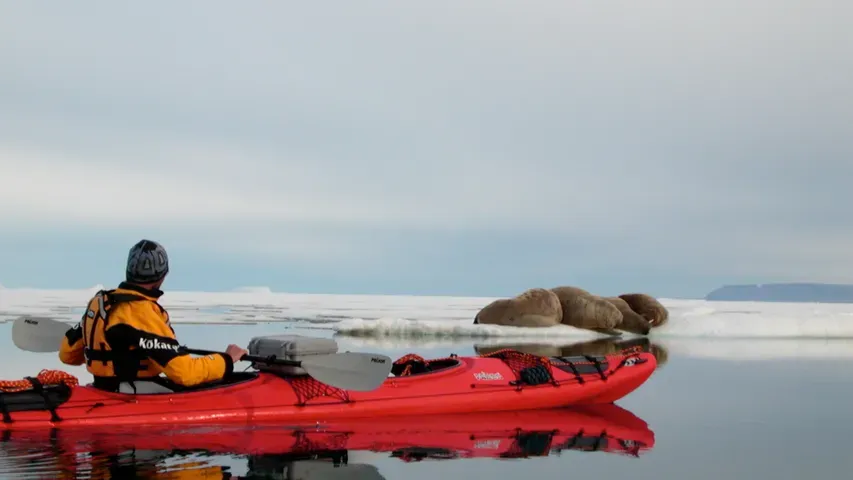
126,341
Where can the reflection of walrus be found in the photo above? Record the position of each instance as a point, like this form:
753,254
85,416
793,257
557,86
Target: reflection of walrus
536,307
647,306
600,346
631,321
582,309
538,349
659,351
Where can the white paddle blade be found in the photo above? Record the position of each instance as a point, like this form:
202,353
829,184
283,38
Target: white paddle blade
349,370
38,334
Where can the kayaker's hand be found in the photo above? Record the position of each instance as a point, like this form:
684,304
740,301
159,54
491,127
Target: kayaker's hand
235,352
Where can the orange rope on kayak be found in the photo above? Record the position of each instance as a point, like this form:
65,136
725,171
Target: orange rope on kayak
45,377
409,358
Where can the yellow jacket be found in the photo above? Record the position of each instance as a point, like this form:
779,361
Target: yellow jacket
125,334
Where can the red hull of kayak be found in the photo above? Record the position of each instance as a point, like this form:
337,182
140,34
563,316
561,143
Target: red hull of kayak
457,385
509,434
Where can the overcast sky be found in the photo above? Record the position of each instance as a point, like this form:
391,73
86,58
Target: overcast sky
475,147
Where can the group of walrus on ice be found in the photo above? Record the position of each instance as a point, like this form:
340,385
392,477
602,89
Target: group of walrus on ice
635,313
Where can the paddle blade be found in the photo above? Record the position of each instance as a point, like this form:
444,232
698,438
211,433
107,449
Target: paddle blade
38,334
349,370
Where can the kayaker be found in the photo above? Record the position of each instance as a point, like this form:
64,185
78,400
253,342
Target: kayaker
125,339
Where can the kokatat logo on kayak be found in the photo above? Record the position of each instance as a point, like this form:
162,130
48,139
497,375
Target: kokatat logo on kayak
488,376
154,344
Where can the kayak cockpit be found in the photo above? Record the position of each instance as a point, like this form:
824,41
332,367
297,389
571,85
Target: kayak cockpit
409,365
162,385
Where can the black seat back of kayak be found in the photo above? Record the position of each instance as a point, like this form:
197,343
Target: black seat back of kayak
27,400
40,398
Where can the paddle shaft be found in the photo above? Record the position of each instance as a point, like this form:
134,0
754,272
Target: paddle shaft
348,370
248,358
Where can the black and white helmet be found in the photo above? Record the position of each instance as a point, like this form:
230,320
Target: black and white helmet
147,262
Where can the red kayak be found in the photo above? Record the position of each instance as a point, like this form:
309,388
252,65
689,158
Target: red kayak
499,381
509,434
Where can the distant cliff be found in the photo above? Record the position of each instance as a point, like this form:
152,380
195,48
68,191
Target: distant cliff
784,292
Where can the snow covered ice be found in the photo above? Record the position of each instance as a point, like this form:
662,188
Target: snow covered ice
697,327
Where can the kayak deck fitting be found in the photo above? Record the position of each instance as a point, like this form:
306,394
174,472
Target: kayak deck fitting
499,381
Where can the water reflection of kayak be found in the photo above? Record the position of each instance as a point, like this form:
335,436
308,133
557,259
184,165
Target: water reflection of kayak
510,434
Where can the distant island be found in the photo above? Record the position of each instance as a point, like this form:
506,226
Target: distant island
784,292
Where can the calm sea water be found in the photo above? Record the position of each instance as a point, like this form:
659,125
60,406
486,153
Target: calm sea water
711,419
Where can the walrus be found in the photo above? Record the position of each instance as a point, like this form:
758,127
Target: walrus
582,309
631,321
535,307
647,306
